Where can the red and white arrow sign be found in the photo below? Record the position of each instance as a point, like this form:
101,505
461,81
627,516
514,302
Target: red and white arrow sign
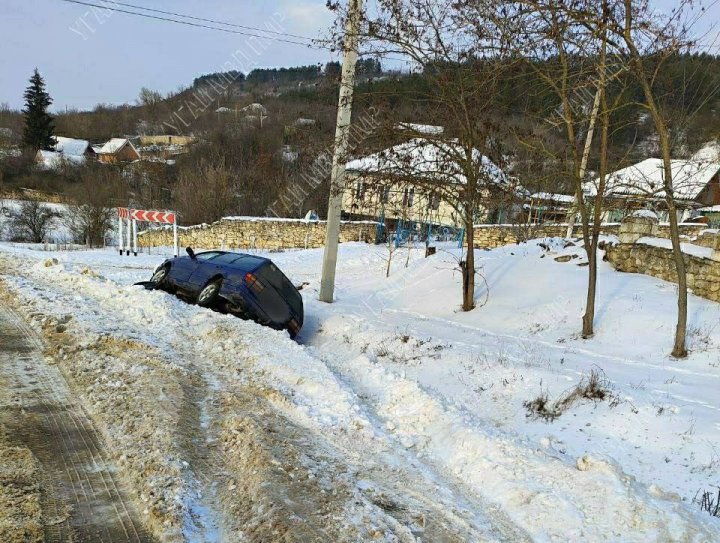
165,217
132,216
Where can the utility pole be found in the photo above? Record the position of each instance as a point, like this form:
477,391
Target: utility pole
342,138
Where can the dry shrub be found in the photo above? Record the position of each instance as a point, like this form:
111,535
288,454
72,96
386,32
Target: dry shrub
595,387
709,502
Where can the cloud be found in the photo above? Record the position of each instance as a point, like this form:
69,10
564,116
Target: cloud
311,19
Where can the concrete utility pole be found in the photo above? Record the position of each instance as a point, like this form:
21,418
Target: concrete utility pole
342,138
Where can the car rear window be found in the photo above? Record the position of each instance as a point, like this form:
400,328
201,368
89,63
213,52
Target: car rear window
270,274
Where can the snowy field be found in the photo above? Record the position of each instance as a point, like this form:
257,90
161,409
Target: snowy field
413,413
59,232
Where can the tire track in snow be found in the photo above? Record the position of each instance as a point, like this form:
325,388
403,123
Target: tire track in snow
80,498
598,503
535,341
445,523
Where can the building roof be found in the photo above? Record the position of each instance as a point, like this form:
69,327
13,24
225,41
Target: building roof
115,145
255,108
303,121
553,197
426,129
645,178
71,146
420,157
52,160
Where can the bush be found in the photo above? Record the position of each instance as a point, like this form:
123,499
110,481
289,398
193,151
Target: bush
594,387
93,214
32,222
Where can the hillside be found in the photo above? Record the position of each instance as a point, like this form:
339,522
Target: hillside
263,156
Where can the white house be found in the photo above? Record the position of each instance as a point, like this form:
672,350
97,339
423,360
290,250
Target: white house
696,184
399,183
65,152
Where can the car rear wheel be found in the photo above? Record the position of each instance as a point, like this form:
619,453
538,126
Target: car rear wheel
209,294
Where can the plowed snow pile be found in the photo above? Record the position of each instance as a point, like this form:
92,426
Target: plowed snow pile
20,514
396,418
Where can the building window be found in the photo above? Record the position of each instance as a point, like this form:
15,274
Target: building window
359,190
385,194
408,197
434,202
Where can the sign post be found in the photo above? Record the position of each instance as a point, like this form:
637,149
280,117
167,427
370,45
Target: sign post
134,228
135,215
120,232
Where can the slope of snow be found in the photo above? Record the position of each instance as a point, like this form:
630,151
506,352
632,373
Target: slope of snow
393,372
687,248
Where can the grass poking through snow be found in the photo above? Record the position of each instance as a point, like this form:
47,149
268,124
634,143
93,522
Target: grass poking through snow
594,386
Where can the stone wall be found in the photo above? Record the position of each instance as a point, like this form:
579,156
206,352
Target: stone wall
708,238
490,236
703,274
256,232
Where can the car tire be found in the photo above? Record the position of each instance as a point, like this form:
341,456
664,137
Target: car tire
209,293
159,278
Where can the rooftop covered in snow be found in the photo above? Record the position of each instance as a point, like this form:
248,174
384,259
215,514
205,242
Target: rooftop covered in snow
426,159
71,146
426,129
646,178
114,145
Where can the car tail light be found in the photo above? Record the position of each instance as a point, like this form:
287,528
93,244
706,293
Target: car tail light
254,283
294,327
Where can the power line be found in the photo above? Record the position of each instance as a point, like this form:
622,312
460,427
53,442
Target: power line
214,21
198,25
308,44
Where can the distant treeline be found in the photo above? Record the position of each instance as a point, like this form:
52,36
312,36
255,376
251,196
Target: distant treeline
284,76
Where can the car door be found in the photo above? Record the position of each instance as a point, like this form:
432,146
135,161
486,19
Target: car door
181,270
208,265
184,268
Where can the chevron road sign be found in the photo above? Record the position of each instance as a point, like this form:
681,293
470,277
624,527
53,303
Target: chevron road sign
131,217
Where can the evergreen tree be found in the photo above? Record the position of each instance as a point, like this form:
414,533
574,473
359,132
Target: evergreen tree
39,127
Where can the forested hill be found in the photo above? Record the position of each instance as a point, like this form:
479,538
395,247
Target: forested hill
301,103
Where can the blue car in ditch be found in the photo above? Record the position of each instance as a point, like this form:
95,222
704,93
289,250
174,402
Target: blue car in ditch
249,286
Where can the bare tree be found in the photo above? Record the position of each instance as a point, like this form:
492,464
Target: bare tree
648,40
391,248
93,214
205,193
565,43
461,58
32,222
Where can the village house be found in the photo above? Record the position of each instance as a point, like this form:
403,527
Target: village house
65,151
117,150
403,183
547,207
162,148
696,183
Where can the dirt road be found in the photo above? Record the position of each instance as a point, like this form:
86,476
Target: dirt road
81,498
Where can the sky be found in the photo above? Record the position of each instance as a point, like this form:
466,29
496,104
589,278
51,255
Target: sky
88,56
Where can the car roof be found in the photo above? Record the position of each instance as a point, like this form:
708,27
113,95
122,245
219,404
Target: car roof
244,261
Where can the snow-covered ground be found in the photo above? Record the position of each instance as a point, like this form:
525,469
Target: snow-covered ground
59,233
423,405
